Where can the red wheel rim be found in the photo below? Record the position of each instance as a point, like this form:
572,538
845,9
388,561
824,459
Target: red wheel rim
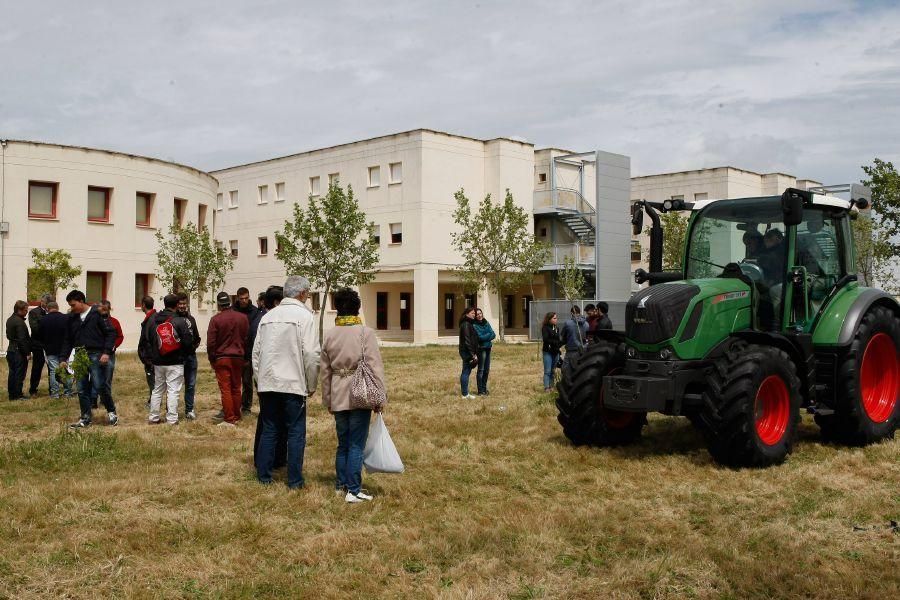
773,410
879,377
615,419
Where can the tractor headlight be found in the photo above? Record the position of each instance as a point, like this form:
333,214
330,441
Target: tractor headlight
630,352
666,353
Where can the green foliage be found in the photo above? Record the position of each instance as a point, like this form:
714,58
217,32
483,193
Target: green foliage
329,243
497,246
570,279
81,366
674,226
52,270
875,260
190,262
66,453
884,182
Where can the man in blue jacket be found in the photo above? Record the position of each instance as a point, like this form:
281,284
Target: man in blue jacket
87,329
573,333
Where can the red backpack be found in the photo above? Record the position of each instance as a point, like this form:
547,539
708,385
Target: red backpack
168,338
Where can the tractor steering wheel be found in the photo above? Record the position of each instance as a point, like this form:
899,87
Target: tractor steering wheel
751,270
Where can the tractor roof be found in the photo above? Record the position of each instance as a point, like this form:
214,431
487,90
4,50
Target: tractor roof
821,196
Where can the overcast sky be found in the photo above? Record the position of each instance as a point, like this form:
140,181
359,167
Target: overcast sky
811,88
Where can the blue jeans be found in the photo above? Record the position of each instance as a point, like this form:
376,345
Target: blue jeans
190,381
95,383
53,365
484,369
16,378
110,370
464,376
550,363
352,428
290,409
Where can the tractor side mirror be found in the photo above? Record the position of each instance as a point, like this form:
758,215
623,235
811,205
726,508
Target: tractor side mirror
792,206
637,218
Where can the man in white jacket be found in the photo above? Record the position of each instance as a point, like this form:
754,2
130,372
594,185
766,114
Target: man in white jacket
286,367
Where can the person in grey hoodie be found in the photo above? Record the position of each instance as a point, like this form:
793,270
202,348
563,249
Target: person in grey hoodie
573,333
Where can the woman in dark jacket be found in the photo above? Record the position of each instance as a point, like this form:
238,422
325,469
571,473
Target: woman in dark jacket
485,336
468,349
550,348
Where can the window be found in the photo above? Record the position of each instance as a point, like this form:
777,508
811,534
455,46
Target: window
279,192
396,233
220,202
543,232
375,234
233,199
374,176
95,288
262,195
635,251
678,197
396,172
542,178
313,186
180,208
234,248
316,301
263,246
405,310
510,301
220,246
98,204
381,310
700,197
143,209
42,199
201,216
334,179
141,287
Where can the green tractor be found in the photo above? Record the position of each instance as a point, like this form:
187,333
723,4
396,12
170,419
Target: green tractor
767,317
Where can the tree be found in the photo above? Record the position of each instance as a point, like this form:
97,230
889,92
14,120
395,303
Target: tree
884,181
189,262
674,226
570,279
496,246
329,243
52,270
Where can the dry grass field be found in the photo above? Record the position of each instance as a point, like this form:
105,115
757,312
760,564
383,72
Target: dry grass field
495,503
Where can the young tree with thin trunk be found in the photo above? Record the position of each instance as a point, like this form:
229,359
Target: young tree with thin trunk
570,279
497,246
329,243
52,271
190,262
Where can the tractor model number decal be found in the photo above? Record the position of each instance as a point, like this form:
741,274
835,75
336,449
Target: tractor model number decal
730,296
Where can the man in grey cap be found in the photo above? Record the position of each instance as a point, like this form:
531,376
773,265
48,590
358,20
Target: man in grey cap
226,342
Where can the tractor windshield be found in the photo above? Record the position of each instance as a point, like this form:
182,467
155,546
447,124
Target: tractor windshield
748,231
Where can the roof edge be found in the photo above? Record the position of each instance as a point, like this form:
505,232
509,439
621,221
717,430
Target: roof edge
728,167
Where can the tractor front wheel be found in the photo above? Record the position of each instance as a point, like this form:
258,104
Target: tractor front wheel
752,407
868,384
584,418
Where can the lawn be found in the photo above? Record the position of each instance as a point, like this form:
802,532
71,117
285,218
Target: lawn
495,503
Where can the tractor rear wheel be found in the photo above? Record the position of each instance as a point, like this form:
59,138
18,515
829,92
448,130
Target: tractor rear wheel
753,407
581,412
868,384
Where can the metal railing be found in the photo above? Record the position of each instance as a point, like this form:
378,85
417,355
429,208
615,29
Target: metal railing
562,199
582,253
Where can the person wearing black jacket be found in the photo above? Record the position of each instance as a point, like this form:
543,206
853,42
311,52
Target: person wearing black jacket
244,305
18,351
53,334
168,338
468,349
87,329
35,315
190,359
147,303
550,348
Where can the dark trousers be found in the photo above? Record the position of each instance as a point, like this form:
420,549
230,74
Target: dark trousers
290,409
190,381
352,428
150,374
17,364
95,382
37,369
484,369
280,446
247,386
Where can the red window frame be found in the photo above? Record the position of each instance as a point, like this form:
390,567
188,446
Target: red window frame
149,197
107,193
50,184
145,277
104,289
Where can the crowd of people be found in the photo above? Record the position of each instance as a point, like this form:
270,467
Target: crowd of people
271,349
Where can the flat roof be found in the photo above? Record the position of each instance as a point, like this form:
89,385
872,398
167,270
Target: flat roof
113,152
717,169
372,139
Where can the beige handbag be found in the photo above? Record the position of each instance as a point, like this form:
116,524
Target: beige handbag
366,392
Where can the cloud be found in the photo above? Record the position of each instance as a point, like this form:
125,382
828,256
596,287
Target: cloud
809,88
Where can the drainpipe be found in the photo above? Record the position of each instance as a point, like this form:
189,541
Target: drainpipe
3,225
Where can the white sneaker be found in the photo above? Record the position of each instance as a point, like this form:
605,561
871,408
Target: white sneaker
363,496
113,419
226,424
351,499
470,397
190,416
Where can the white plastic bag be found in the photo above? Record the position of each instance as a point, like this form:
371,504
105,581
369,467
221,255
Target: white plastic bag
380,454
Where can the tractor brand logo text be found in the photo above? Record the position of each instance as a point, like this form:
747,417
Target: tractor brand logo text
730,296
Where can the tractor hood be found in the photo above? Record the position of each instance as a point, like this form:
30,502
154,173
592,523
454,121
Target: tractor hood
690,315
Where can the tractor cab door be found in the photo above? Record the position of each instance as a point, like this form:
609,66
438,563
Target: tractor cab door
822,248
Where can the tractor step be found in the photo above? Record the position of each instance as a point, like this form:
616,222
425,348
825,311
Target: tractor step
820,410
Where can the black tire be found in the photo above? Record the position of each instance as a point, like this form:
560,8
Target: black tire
752,407
580,401
859,418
